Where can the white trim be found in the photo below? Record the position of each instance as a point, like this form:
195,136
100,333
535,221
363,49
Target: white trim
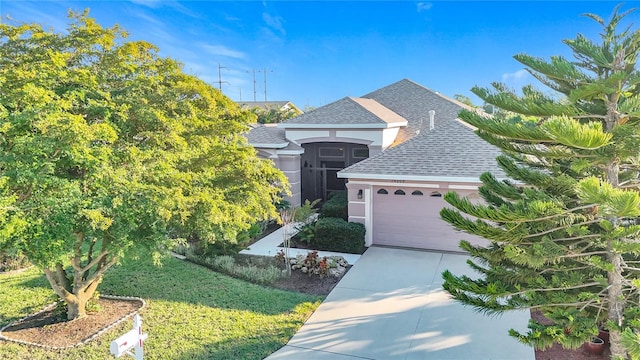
357,202
410,177
343,126
403,185
357,217
270,146
291,171
290,152
368,216
463,187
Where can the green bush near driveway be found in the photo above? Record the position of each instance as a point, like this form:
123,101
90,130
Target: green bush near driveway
191,313
335,234
337,206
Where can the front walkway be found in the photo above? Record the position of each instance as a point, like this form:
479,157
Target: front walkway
269,246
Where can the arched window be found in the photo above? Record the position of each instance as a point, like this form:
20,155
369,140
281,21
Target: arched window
435,194
399,192
417,192
383,192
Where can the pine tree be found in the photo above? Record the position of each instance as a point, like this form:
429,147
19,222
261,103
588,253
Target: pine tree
564,226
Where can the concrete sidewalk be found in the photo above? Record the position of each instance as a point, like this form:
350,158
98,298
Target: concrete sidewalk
269,246
391,305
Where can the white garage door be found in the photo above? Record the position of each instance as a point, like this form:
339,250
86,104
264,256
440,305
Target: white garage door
410,217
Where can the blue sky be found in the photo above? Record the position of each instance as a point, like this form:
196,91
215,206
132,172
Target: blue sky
317,52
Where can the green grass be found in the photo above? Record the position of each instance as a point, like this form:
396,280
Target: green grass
191,313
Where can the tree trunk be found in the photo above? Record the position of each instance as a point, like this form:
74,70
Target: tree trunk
75,298
616,306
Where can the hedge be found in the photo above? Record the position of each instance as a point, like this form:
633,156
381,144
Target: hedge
337,206
335,234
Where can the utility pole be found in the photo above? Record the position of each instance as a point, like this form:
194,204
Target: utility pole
254,84
220,76
265,70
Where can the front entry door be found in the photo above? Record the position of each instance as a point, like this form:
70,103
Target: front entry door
332,182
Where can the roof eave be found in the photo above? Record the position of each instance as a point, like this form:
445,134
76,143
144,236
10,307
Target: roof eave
270,146
343,126
290,152
462,179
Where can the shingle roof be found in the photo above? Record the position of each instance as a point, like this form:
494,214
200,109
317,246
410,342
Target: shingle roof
413,102
451,150
348,112
267,137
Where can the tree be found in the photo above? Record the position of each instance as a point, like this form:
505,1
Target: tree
564,230
464,99
108,148
271,115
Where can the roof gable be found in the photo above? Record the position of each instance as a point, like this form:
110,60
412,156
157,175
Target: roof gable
347,112
449,151
413,102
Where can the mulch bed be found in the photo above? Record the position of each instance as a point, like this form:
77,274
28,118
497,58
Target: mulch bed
49,329
557,352
309,284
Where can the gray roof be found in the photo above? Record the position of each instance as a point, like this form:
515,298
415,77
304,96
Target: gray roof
349,112
450,150
270,137
413,102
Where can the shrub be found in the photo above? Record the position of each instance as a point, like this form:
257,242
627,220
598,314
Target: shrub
265,275
335,234
337,206
307,233
231,247
12,261
305,211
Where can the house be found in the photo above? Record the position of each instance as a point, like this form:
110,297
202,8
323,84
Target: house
271,105
396,151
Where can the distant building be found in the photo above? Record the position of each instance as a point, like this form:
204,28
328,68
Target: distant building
269,105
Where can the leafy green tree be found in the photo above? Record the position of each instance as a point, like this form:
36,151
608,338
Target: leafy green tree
564,230
108,149
272,116
464,99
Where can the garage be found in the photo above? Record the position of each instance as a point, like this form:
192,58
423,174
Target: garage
410,217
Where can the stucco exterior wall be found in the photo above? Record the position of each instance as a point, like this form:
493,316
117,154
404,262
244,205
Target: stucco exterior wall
289,164
362,206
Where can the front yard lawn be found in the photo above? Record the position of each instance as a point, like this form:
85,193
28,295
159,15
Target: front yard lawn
191,313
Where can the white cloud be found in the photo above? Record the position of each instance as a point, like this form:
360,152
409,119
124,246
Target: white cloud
515,76
220,50
424,6
274,22
175,5
154,4
25,12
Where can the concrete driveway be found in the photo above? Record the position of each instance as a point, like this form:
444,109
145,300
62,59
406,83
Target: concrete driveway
391,305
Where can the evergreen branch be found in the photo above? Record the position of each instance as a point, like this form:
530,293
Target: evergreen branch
548,270
590,116
590,236
560,228
555,289
575,304
570,256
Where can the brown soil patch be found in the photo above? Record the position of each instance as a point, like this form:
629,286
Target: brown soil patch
49,329
309,284
557,352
